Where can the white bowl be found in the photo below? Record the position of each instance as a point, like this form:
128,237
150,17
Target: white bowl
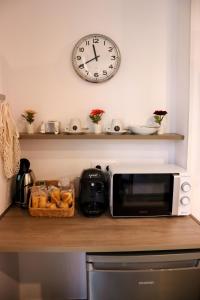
144,130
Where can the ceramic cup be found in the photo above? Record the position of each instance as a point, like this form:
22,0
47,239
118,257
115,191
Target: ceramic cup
116,125
75,125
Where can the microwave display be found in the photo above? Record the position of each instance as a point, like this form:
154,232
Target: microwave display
142,194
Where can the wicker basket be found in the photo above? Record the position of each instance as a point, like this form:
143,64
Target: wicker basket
57,212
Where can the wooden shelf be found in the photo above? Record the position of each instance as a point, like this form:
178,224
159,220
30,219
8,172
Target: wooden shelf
103,136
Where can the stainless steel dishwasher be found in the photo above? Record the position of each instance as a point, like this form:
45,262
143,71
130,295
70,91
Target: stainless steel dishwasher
142,276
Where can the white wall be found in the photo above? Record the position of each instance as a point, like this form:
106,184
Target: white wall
37,38
194,137
181,78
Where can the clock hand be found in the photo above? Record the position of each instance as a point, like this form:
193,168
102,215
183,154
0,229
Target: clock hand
95,54
82,65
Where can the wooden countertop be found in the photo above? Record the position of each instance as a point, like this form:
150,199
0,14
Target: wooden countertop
20,232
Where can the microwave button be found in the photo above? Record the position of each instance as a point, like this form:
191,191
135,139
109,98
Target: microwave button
186,187
185,200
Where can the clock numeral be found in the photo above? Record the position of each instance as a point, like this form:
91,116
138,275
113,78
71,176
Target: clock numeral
87,43
113,57
81,49
105,72
104,42
111,66
86,72
81,66
96,74
95,40
110,49
78,57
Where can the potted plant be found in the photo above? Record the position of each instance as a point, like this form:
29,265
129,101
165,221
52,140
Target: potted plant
96,116
158,118
29,116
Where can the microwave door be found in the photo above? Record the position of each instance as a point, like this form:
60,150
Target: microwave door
142,195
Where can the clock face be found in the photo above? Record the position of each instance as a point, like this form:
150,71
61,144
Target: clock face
96,58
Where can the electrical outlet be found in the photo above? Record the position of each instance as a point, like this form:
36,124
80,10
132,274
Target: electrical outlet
102,163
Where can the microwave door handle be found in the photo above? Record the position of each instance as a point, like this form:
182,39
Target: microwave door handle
176,195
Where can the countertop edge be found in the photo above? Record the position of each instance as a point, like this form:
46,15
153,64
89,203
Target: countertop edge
96,250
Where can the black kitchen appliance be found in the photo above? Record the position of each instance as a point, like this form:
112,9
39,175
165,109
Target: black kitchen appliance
24,181
94,187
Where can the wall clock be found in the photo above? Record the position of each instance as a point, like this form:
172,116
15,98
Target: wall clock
96,58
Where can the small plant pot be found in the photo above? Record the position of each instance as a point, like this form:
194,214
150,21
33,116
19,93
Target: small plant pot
161,129
97,128
29,128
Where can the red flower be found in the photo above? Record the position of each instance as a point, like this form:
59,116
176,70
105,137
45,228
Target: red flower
159,115
96,114
160,112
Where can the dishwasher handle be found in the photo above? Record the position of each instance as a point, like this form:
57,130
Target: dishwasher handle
122,267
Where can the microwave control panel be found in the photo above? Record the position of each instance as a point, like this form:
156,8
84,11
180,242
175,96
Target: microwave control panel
184,196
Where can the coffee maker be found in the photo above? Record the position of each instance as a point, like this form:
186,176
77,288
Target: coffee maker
94,188
24,181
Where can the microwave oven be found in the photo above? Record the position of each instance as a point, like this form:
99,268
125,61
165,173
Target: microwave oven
149,190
